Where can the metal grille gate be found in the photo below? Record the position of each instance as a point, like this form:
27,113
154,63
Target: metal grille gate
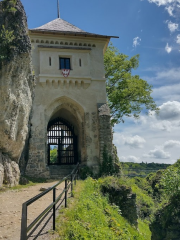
62,143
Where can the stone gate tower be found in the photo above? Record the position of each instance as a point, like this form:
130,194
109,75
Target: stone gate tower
70,119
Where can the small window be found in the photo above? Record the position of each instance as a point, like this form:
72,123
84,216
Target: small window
49,61
80,62
64,63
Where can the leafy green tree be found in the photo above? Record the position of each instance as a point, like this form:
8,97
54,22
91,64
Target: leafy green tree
171,181
8,7
6,40
53,155
127,94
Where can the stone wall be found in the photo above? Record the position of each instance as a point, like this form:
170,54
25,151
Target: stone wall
123,197
37,154
105,130
16,91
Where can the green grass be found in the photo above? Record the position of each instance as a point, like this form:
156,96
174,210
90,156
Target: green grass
143,227
90,216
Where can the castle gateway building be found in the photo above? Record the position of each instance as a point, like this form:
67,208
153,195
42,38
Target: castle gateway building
70,119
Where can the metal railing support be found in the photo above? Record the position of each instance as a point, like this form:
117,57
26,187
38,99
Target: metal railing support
75,179
71,185
54,209
66,193
24,222
24,227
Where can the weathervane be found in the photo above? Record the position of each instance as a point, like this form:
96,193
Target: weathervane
58,9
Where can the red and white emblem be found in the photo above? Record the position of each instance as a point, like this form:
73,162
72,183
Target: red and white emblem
65,72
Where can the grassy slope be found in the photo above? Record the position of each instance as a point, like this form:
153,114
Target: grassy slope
91,217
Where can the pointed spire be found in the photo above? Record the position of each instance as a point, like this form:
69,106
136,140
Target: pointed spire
58,9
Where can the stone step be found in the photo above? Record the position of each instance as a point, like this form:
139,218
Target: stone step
57,177
60,171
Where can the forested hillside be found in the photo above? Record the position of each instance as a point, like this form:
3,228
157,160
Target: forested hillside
132,169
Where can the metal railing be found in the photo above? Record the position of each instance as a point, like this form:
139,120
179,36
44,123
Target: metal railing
34,225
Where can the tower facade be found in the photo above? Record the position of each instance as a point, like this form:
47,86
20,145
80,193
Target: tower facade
70,119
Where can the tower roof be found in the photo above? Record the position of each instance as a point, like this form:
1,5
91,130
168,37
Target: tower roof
61,26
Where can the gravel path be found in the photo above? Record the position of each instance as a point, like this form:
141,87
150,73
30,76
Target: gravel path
11,210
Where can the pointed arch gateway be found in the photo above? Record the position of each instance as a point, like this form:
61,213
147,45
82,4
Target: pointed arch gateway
65,132
62,143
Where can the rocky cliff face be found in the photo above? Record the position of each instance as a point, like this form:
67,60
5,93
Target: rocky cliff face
16,90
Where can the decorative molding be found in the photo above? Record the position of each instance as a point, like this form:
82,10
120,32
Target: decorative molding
56,42
63,47
61,82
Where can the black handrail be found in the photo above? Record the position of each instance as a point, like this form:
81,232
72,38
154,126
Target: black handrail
24,228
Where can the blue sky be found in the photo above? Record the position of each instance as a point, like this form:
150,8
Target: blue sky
150,28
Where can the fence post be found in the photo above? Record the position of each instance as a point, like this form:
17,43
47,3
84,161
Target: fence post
75,179
66,193
71,185
24,222
78,172
54,209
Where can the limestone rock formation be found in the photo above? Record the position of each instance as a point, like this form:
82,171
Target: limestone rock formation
1,172
11,173
16,90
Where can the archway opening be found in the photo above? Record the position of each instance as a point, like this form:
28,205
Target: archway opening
62,143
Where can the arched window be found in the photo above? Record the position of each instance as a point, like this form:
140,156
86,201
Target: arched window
62,143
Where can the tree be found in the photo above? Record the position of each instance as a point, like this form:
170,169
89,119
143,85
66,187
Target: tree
7,37
53,155
127,94
171,181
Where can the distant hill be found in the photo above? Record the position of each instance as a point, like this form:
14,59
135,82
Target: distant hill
132,169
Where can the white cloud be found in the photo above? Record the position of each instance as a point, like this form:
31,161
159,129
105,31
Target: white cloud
169,111
162,125
134,142
170,5
170,10
158,153
166,93
167,119
167,76
172,26
163,2
168,49
129,159
173,74
171,144
136,41
178,39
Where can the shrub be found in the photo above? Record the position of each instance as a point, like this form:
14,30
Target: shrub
85,172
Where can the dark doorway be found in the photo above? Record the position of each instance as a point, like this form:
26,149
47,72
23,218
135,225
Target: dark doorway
62,143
